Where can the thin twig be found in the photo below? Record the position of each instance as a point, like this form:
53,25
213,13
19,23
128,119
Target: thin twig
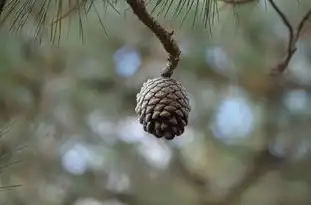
169,44
292,39
302,23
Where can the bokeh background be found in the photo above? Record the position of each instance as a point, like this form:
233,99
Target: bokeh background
69,134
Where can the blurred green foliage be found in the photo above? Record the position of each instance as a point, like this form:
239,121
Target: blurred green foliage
73,107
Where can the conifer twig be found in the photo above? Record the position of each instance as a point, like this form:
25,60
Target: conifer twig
169,44
293,36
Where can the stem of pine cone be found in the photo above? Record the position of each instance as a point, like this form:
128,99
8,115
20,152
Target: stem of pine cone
169,44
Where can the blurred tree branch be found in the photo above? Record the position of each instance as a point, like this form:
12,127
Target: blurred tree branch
261,163
293,37
265,160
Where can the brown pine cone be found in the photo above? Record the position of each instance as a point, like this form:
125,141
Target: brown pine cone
163,106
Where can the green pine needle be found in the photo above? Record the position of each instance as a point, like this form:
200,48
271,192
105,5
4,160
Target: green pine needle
39,18
201,11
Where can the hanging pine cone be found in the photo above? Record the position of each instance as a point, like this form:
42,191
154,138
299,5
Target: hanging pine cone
163,106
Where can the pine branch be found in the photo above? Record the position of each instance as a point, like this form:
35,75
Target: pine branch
293,35
292,38
48,15
169,44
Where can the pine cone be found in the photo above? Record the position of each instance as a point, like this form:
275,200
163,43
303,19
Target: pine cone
163,106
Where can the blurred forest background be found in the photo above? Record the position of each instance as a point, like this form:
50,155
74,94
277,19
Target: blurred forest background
69,134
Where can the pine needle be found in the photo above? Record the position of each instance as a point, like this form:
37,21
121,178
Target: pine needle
202,11
49,18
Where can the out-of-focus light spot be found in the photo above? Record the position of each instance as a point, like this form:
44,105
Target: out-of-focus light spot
234,120
296,101
217,58
285,146
127,61
130,130
75,160
157,154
